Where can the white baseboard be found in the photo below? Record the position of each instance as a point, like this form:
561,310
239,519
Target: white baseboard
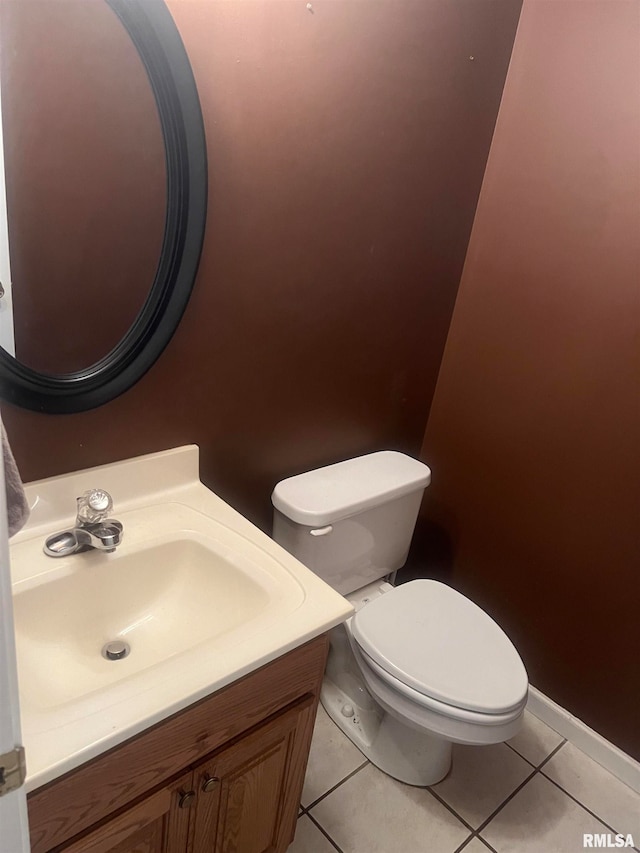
591,743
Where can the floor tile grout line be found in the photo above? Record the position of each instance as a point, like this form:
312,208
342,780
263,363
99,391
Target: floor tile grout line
564,791
520,755
551,754
465,843
324,832
451,809
580,803
505,801
544,760
474,833
521,786
337,785
487,820
468,841
486,844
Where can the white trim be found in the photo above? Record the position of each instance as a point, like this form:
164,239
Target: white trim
7,339
14,837
591,743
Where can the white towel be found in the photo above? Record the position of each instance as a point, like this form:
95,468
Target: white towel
17,506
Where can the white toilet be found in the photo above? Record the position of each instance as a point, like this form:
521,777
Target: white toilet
419,666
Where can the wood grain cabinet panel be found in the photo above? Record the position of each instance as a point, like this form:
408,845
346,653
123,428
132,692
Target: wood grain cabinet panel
249,793
159,824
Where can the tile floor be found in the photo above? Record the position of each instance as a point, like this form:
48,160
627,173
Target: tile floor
535,794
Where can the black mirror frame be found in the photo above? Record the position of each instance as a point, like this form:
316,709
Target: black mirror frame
160,47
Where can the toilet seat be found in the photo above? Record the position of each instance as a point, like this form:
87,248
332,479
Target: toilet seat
440,650
451,711
484,729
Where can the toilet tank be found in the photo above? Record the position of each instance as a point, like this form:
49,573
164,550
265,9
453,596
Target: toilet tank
351,523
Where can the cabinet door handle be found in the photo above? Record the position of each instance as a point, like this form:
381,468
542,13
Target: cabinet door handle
187,799
209,783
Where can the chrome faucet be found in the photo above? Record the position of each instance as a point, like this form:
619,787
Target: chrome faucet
93,528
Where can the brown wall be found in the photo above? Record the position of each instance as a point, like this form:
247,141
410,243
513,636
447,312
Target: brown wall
346,151
533,432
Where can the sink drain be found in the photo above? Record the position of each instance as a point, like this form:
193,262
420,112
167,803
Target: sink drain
116,650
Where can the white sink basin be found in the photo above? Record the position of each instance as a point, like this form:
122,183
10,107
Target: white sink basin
199,595
195,582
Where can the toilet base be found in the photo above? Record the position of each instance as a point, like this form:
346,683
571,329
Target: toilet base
411,756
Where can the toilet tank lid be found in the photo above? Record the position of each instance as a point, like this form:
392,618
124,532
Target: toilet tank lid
326,495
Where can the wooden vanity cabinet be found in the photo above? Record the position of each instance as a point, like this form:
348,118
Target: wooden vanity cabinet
223,776
243,802
156,825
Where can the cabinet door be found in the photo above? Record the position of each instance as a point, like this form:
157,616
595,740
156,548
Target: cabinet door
249,792
159,824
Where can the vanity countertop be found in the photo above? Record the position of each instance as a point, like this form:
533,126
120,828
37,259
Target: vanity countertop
203,596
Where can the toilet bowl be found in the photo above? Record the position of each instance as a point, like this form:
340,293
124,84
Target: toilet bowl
419,666
406,732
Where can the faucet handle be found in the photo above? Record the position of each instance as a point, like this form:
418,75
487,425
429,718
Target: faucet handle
94,506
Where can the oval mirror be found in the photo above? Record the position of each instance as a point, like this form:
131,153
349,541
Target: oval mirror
106,182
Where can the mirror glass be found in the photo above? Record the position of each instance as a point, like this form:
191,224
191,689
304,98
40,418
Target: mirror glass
85,180
106,196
